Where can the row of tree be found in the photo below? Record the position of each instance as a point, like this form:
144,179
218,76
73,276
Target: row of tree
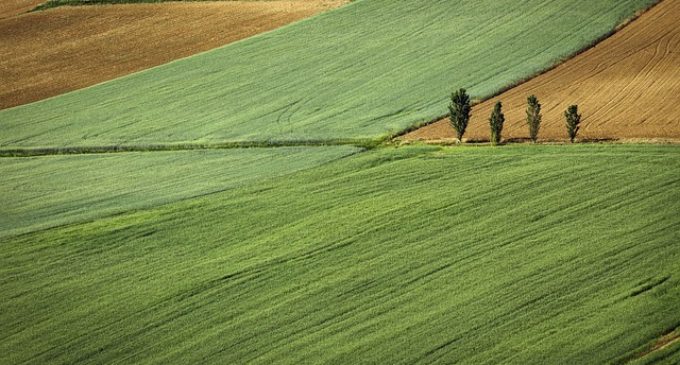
460,110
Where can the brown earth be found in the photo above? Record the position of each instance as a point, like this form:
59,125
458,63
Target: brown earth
662,343
46,53
9,8
627,87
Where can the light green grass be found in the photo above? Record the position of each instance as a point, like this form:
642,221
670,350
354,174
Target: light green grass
42,192
519,254
367,70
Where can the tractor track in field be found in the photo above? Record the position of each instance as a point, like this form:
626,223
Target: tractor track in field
665,341
626,87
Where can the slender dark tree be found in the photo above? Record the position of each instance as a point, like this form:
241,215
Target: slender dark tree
573,119
496,123
459,112
533,117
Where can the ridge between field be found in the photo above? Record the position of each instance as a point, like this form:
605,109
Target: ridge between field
78,150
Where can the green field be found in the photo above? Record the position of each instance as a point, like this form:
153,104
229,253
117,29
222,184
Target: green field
367,70
518,254
43,192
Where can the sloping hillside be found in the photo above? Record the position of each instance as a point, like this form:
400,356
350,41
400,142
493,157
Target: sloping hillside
626,87
366,70
515,255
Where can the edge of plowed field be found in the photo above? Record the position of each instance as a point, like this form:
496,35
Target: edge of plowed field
61,50
624,24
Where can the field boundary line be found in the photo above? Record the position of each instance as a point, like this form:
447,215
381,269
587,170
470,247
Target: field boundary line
366,144
80,150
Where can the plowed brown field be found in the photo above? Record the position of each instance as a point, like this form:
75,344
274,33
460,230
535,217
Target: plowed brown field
627,87
47,53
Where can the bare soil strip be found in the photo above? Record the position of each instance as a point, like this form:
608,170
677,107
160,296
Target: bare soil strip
664,342
627,87
47,53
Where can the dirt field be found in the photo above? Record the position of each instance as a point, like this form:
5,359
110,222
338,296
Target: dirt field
47,53
627,87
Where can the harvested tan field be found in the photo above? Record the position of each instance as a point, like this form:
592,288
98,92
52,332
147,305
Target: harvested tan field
50,52
9,8
627,87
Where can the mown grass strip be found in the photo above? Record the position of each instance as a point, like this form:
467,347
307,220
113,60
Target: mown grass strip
43,192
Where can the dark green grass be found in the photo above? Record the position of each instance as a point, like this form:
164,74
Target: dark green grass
519,254
42,192
55,3
367,70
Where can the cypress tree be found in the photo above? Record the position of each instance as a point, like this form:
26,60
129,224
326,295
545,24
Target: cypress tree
459,112
573,121
496,123
533,117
